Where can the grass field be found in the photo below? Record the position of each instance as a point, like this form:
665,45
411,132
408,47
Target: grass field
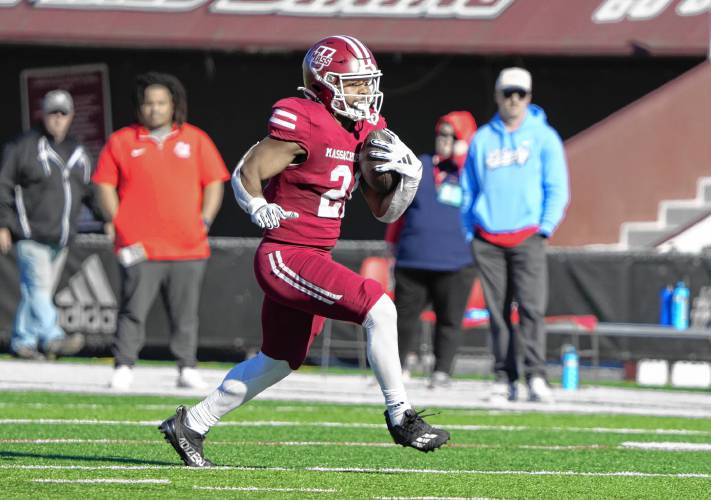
71,446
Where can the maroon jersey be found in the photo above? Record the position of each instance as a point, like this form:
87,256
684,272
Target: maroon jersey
318,188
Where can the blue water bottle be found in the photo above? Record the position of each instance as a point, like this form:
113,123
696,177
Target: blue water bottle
569,380
680,306
665,305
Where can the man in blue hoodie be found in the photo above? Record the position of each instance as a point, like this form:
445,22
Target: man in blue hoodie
515,191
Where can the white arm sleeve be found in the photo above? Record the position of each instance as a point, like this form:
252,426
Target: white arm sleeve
246,201
404,194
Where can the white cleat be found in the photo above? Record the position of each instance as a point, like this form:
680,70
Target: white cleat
439,380
538,390
190,378
122,378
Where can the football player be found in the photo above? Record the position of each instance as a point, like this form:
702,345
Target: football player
308,159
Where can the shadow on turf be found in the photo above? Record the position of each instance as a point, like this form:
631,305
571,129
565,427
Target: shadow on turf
9,455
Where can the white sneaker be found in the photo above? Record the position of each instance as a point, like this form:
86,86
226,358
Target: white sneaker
503,392
122,378
190,378
439,379
538,390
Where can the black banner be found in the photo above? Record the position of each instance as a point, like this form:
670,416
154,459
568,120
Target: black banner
615,287
623,286
87,297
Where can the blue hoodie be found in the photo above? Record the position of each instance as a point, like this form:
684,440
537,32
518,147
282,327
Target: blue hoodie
515,180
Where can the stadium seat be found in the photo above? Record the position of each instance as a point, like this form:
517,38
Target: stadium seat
378,269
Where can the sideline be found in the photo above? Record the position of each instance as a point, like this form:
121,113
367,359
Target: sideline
18,375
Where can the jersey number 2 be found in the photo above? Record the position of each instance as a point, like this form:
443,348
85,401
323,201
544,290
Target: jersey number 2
333,201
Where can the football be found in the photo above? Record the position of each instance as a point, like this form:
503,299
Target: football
379,182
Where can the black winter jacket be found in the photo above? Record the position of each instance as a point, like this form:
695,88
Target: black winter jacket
42,186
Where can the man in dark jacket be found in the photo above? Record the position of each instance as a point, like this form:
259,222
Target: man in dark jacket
433,261
44,178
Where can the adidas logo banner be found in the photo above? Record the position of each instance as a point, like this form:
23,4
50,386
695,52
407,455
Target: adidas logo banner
88,304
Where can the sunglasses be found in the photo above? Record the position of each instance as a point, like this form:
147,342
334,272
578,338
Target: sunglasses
58,112
507,93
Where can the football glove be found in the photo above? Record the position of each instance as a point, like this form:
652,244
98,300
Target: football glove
397,156
268,215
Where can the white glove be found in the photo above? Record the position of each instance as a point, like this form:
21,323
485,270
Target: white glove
398,157
268,215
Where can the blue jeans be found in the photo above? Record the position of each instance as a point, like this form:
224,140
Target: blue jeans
36,317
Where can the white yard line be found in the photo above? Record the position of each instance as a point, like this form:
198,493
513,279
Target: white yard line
140,467
299,443
507,472
667,446
103,481
212,443
650,446
431,498
166,407
77,441
75,421
385,470
357,425
87,406
255,488
622,430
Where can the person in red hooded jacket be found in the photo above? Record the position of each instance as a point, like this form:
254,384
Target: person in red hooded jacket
433,262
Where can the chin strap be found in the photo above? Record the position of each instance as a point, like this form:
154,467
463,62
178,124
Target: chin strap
309,94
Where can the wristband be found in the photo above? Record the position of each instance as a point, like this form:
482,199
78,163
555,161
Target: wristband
255,204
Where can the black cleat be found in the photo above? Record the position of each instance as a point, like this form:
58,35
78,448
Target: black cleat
186,442
415,432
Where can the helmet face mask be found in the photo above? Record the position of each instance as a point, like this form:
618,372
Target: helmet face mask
336,69
357,106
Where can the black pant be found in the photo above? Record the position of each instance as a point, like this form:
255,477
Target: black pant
448,292
521,274
179,283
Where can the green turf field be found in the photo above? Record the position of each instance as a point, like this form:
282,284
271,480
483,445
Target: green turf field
72,446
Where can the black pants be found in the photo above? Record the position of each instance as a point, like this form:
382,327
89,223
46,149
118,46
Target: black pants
179,283
448,292
521,274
